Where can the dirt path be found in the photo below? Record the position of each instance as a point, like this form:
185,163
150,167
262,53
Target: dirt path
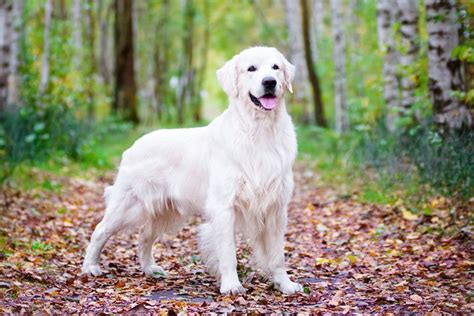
350,256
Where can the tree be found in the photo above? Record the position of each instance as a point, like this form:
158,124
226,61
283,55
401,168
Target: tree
104,51
386,17
297,55
77,32
5,49
203,65
313,76
408,18
125,87
91,30
14,79
444,71
48,12
340,99
161,58
316,26
186,89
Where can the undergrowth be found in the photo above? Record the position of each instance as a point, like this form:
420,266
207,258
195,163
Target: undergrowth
383,167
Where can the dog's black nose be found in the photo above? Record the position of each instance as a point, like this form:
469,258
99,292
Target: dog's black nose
269,83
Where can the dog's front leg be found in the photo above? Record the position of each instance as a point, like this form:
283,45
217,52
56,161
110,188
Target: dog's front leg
224,233
270,256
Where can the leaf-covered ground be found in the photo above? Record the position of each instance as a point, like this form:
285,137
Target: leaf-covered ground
351,257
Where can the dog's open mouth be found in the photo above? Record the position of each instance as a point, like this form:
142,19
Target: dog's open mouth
266,102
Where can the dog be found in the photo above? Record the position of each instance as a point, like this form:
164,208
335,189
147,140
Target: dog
236,172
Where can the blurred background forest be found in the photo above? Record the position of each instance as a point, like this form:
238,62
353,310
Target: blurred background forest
383,100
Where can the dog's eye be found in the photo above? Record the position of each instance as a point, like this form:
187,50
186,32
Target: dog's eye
251,68
275,67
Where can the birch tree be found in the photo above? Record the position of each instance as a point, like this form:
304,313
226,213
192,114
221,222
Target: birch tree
14,74
77,32
313,76
297,57
125,86
5,49
340,99
444,71
45,58
386,15
408,17
316,26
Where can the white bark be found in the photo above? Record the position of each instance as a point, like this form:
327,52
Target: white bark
445,72
295,39
316,26
45,59
408,15
5,49
386,16
340,100
77,32
14,75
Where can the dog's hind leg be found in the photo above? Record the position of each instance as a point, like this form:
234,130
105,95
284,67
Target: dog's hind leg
168,221
121,213
148,235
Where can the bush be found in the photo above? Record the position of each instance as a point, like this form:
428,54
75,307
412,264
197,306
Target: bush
34,135
446,162
31,133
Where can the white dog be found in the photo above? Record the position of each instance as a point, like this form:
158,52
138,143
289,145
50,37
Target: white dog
237,172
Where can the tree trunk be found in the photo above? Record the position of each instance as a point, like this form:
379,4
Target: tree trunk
91,29
48,12
316,26
104,62
125,88
5,50
187,85
313,76
386,17
340,100
77,33
444,71
14,79
161,59
408,14
202,68
59,9
297,56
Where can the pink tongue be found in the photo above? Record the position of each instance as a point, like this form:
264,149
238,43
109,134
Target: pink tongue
268,103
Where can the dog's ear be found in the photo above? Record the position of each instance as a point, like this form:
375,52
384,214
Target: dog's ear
289,72
228,77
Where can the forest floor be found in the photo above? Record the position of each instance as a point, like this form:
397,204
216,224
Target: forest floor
350,256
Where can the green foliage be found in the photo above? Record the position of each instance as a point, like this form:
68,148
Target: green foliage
417,161
34,133
445,163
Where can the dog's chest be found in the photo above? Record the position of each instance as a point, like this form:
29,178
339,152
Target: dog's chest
263,171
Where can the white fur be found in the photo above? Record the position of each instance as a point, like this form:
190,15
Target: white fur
237,172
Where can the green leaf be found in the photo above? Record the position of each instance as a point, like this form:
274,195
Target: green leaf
306,289
30,138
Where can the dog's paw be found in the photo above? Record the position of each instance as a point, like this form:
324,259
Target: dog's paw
91,269
289,287
232,288
154,271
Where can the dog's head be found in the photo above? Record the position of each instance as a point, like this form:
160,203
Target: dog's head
259,76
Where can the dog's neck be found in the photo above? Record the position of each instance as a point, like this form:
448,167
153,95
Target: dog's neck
252,120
